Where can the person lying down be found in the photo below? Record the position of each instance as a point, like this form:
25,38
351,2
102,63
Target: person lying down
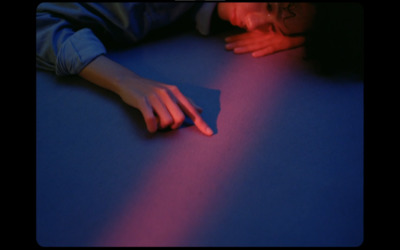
73,38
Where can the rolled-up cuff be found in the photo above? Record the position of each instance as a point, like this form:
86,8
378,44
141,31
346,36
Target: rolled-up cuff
78,51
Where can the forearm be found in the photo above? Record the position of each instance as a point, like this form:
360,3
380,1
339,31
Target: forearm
162,105
106,73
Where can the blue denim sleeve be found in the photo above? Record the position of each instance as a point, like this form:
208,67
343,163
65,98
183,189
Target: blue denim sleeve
77,51
70,35
62,48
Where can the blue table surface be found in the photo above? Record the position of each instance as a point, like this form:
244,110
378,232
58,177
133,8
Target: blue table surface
285,167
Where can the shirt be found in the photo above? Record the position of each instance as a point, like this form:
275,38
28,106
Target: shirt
71,35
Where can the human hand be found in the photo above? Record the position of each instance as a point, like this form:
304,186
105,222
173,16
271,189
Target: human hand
261,43
162,105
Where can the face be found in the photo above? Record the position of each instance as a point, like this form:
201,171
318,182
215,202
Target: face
287,18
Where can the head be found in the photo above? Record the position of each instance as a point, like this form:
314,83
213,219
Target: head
334,31
287,18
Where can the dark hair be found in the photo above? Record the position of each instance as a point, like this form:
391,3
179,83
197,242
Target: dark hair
335,43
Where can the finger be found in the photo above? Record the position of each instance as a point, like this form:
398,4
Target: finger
247,48
191,111
254,46
198,108
263,52
242,43
239,43
174,110
251,44
175,89
161,111
148,115
196,118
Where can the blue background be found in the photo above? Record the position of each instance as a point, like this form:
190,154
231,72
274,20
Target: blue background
285,167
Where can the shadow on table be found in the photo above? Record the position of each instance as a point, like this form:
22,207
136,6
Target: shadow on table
208,99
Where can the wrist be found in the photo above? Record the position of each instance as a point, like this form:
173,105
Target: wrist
123,81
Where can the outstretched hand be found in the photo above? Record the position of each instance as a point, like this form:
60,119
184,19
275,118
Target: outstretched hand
162,105
261,43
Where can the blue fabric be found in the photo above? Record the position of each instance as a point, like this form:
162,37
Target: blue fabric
70,35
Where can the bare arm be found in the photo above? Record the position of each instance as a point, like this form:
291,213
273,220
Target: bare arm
161,105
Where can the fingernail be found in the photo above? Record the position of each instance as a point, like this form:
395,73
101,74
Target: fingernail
229,46
209,131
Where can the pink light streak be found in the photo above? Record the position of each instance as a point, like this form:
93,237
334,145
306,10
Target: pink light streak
183,185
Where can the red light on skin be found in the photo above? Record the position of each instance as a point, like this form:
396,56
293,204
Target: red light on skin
180,191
